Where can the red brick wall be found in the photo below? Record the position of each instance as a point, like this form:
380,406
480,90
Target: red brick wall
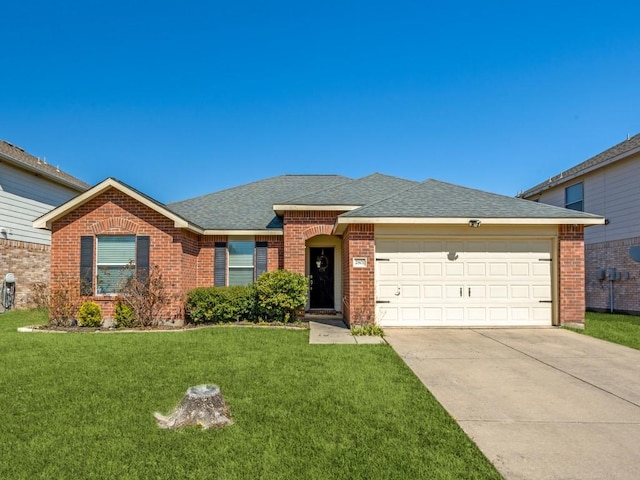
572,273
113,212
299,226
275,251
29,262
626,291
358,283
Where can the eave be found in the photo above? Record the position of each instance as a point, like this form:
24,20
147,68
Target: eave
342,222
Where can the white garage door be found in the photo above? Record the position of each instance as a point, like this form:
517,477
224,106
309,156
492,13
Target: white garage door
451,282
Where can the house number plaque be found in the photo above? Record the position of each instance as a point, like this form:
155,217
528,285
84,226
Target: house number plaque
359,262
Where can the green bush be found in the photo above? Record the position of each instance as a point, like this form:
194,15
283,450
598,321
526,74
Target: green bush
369,330
221,304
90,315
281,295
124,316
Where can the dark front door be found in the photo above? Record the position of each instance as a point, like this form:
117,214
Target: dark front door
321,278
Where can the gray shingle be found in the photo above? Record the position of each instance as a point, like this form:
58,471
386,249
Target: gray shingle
435,199
361,191
250,206
19,157
620,149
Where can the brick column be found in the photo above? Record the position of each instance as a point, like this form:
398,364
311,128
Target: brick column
571,273
358,283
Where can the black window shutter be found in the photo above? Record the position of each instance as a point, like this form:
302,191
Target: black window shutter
142,256
86,265
220,264
261,258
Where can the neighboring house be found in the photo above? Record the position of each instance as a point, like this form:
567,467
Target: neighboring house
607,185
377,248
29,187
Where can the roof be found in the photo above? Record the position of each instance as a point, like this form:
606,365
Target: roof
18,157
358,192
433,201
617,152
250,207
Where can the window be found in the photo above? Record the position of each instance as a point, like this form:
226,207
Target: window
114,254
574,197
241,262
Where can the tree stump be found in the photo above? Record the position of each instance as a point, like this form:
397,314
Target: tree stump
202,406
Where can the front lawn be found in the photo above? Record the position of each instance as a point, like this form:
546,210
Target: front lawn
622,329
80,405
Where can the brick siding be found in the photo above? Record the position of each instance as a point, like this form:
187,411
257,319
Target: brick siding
29,262
358,305
185,259
626,291
571,272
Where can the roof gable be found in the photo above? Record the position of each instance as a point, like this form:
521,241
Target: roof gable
47,219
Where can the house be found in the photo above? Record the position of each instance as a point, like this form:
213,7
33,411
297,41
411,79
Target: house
377,248
29,187
607,185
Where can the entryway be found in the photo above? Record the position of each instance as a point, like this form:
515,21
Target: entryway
321,278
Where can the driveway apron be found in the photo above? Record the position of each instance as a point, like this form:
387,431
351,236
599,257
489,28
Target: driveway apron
540,403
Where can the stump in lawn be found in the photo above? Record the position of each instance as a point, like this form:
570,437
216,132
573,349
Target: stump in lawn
202,406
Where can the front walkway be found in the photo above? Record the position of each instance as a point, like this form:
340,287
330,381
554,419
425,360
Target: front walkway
331,329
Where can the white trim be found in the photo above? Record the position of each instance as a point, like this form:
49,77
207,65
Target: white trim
47,220
234,233
281,208
342,222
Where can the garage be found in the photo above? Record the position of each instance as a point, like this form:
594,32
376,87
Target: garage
459,281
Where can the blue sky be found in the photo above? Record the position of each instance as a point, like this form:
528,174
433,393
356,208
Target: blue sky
180,99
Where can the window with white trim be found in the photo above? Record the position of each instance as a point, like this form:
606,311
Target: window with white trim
241,262
115,262
574,197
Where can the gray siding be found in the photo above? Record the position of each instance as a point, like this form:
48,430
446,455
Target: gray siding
25,197
612,191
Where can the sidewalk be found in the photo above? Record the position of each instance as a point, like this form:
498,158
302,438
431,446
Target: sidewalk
332,330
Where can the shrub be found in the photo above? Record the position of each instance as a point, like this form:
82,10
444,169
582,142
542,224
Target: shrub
220,304
147,295
369,330
124,316
90,315
281,294
64,300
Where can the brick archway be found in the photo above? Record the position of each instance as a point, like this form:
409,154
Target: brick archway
117,225
316,230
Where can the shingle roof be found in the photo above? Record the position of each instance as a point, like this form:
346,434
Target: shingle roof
250,206
18,156
361,191
435,199
614,153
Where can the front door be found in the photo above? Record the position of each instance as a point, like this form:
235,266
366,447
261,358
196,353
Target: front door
321,278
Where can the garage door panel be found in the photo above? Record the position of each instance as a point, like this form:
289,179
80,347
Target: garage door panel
462,282
410,269
454,269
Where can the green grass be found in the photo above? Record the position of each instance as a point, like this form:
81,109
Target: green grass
622,329
78,405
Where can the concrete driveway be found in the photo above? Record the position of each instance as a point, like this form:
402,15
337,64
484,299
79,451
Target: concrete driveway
540,403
